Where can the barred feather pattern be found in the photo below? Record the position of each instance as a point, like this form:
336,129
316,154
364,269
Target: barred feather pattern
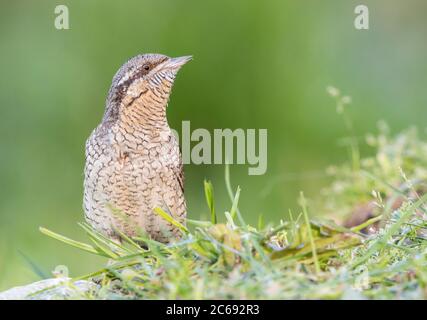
133,161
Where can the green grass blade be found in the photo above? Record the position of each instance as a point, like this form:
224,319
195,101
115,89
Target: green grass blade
310,234
210,200
38,270
233,210
100,238
129,240
260,223
199,223
170,219
73,243
107,252
233,197
391,231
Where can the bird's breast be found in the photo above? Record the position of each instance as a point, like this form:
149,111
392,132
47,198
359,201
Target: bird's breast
141,148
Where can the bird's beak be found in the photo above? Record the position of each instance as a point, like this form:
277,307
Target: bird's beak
176,63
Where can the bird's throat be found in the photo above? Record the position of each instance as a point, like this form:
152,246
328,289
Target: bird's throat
147,110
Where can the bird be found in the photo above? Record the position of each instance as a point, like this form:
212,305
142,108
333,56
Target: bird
133,162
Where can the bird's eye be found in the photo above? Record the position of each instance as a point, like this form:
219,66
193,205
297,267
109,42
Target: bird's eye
146,67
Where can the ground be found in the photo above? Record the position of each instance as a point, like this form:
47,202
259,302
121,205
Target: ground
380,254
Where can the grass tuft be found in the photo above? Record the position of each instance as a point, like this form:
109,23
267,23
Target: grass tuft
384,256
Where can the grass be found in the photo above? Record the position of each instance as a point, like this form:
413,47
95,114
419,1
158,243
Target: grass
303,257
297,259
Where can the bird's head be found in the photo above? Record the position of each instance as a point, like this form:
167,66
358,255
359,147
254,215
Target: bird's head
147,77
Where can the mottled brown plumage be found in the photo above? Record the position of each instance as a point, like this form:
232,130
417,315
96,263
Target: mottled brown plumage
133,162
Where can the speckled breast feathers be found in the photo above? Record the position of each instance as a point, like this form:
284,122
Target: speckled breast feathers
133,162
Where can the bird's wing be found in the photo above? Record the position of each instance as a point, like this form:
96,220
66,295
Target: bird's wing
179,175
176,203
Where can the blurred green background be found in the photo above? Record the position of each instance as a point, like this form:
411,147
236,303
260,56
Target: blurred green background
257,64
